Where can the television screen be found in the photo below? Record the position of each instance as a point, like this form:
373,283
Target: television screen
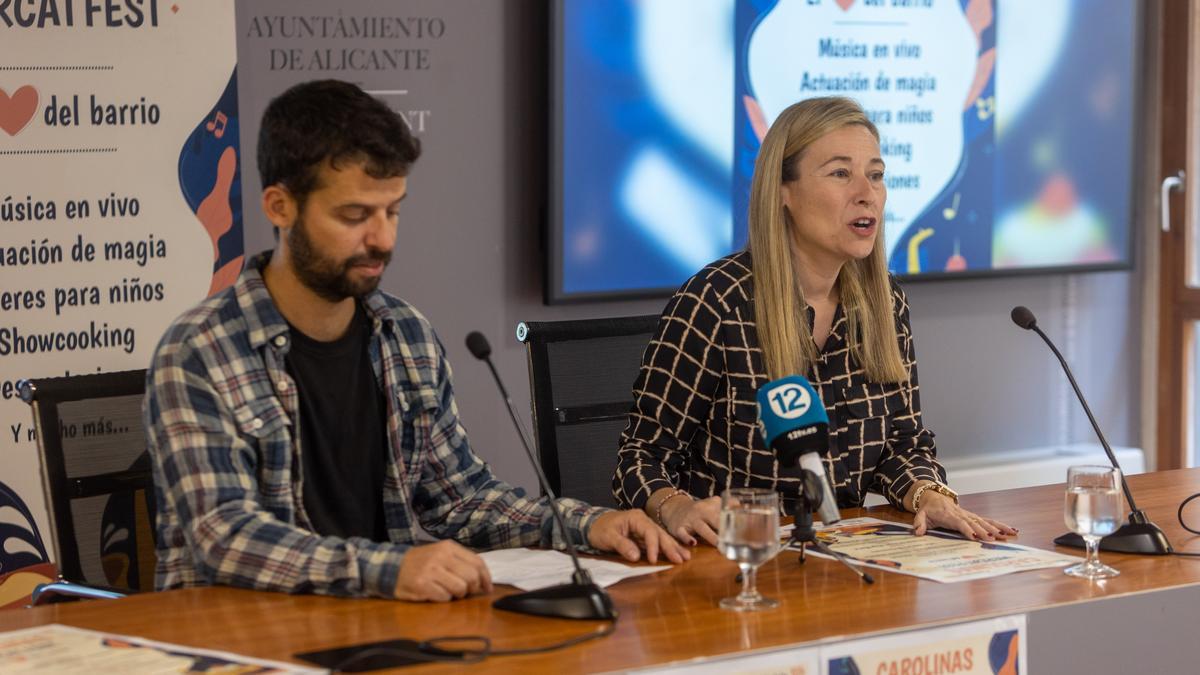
1007,127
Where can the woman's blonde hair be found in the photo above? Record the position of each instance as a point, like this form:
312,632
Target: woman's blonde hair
863,285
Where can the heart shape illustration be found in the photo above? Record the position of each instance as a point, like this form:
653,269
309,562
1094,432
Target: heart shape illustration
17,110
845,4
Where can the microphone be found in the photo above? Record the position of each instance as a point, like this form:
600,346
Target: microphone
795,426
1139,535
580,599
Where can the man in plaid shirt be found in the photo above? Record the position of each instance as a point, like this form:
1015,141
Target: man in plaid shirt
302,423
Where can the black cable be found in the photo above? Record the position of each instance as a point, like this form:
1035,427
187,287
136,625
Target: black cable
443,649
607,630
1179,515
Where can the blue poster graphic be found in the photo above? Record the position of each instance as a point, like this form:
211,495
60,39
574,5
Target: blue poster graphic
1007,129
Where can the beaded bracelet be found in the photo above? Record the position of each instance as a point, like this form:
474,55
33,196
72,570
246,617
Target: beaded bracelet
658,511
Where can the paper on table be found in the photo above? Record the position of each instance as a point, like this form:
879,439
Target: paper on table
531,569
56,648
939,556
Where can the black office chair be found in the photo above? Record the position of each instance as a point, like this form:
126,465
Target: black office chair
97,481
581,377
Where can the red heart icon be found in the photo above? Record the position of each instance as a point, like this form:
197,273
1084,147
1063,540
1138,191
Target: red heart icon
17,110
845,4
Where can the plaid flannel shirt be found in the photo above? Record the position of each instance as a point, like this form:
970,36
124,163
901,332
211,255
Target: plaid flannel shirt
694,422
221,419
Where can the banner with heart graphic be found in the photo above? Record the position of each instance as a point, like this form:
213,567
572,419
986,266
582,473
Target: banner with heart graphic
17,110
120,205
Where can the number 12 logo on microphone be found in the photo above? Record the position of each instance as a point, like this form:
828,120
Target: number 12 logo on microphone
789,400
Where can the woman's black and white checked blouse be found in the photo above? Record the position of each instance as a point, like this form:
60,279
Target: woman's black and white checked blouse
694,420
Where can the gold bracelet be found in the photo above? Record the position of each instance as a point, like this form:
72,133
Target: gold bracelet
938,488
916,502
658,511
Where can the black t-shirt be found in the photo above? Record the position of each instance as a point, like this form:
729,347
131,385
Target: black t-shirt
342,435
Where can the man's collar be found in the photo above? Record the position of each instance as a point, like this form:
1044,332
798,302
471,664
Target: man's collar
263,320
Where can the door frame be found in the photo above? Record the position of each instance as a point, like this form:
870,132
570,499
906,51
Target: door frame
1179,304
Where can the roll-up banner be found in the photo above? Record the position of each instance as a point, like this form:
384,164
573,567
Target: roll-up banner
120,207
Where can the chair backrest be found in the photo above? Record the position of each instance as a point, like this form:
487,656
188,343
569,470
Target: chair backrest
96,476
581,377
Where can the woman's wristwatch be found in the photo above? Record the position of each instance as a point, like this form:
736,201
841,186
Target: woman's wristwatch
936,487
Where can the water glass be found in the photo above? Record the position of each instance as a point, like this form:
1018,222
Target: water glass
1093,510
749,536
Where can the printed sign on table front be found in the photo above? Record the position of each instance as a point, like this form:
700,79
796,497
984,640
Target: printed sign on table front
991,647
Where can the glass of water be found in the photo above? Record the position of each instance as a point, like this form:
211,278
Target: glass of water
749,536
1093,510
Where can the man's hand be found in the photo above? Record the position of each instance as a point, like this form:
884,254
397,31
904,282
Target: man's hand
629,532
441,572
687,519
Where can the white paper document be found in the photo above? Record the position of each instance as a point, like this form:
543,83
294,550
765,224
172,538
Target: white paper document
531,569
64,649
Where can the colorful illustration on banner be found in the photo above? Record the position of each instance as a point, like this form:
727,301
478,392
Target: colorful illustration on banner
24,563
127,536
1004,652
209,180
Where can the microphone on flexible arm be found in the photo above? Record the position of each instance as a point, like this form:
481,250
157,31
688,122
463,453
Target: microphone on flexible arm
795,426
580,599
1139,535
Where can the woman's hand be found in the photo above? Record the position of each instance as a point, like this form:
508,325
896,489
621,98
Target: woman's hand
938,510
688,519
628,533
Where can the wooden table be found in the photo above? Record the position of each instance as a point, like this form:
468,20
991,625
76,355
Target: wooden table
673,616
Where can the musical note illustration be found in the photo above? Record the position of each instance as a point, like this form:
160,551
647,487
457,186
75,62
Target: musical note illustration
985,107
217,124
951,212
914,245
956,262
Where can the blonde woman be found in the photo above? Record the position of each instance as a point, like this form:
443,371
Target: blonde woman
810,295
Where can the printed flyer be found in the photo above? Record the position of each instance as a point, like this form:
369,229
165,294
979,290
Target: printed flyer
937,556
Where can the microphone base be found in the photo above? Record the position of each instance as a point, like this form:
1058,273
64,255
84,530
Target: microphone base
1144,538
566,601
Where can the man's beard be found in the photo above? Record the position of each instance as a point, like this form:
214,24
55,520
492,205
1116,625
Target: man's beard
327,278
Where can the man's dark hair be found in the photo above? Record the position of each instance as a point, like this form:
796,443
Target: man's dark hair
334,121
